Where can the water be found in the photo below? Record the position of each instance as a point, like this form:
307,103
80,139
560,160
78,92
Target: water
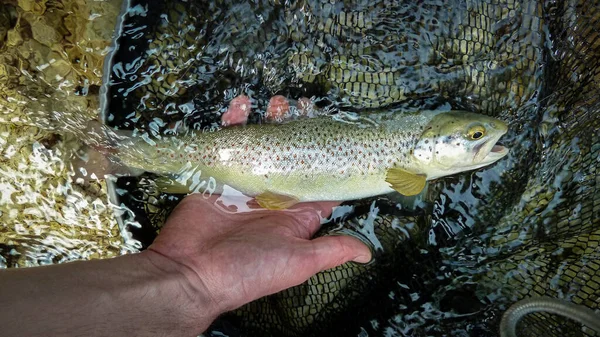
477,242
51,66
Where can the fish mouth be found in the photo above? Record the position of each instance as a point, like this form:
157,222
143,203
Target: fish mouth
492,153
491,150
499,148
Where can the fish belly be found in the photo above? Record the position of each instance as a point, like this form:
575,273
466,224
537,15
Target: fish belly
313,187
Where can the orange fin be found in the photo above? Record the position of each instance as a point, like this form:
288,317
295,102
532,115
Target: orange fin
274,201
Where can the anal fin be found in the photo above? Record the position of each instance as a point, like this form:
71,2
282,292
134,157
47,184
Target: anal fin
274,201
171,185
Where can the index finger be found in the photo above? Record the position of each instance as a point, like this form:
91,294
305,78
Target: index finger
310,215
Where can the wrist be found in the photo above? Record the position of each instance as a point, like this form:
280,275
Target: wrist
192,301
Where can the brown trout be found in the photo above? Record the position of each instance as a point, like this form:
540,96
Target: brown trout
318,159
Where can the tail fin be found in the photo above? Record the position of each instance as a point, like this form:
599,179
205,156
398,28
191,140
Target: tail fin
102,138
98,157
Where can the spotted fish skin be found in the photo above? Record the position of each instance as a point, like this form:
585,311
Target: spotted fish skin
308,159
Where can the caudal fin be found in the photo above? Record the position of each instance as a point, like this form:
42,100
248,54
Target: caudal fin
98,157
102,138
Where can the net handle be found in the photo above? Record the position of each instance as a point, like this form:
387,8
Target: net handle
578,313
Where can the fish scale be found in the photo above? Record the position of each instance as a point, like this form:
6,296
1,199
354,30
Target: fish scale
293,158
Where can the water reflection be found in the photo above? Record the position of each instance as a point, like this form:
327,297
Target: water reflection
51,57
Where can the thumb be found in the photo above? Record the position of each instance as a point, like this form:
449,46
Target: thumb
332,251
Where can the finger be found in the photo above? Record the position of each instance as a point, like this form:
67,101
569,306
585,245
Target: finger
196,204
181,220
196,208
332,251
324,208
201,198
214,205
278,109
237,112
212,212
310,215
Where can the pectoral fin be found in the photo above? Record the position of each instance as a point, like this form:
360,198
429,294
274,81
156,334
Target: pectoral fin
405,182
274,201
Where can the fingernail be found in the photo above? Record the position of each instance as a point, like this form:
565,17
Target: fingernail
362,259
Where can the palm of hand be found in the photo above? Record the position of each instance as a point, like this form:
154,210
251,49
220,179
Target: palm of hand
240,257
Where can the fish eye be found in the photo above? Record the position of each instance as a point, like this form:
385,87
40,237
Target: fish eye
476,132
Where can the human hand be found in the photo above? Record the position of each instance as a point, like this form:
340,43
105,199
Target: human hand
235,258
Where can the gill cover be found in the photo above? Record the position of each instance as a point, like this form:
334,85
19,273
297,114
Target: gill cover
459,139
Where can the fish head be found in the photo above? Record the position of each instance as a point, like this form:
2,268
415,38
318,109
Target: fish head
458,141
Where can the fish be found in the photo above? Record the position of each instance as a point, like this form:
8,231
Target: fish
324,159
